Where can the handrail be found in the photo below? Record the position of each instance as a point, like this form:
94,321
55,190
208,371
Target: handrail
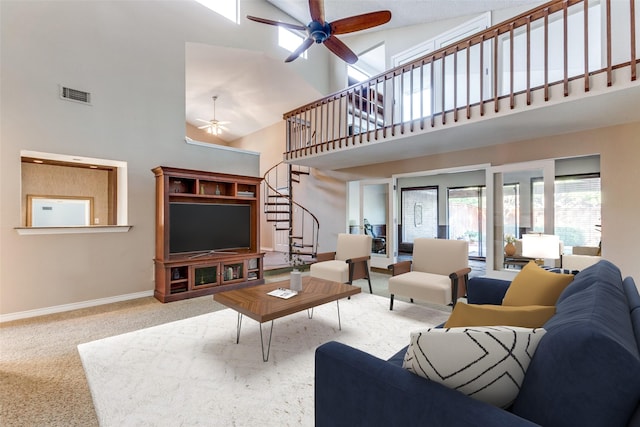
469,74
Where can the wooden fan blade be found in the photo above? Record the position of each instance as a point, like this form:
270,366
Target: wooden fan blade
360,22
306,44
316,8
277,23
341,49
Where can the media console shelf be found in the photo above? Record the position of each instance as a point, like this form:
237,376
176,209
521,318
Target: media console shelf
179,274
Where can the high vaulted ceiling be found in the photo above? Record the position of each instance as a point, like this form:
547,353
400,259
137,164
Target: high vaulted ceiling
255,90
403,12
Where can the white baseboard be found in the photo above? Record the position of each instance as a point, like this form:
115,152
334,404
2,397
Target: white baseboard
73,306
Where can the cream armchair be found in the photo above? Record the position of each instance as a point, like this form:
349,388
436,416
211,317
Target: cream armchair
438,273
581,257
349,262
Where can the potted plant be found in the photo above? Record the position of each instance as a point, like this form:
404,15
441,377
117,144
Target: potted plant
510,247
295,260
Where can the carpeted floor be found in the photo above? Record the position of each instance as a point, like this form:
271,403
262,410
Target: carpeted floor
42,382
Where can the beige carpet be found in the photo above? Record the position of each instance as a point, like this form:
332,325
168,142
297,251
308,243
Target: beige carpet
42,382
192,372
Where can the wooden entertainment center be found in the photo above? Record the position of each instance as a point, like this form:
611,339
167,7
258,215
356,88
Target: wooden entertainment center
192,274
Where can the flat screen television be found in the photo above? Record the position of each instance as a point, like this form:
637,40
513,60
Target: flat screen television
201,227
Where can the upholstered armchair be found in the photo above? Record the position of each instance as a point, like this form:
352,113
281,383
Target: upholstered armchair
349,262
581,257
438,272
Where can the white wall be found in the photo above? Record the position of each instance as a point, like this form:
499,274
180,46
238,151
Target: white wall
131,56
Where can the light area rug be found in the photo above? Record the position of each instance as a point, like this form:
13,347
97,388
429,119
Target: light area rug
192,373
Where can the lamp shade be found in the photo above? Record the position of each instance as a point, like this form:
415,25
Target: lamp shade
541,246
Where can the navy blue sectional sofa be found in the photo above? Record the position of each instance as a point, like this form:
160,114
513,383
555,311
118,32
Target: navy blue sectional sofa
585,371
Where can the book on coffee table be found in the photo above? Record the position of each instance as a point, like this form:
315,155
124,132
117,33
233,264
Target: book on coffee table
282,293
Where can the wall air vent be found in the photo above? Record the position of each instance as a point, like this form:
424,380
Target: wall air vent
75,95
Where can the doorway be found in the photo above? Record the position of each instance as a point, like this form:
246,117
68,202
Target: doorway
370,212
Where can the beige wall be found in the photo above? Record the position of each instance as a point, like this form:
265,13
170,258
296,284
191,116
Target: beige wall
619,149
270,142
55,180
130,55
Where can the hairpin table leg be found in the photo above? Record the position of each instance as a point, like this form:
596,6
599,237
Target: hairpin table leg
238,328
266,358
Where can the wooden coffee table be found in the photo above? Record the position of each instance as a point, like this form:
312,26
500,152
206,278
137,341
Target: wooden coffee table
256,304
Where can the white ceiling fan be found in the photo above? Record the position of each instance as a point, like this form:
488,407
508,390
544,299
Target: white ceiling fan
213,126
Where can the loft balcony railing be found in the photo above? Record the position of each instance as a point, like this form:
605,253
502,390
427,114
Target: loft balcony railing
557,43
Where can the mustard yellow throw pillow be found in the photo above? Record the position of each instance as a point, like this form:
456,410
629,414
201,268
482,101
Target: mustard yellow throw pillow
531,316
536,286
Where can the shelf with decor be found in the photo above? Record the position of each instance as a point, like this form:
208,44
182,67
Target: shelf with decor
207,233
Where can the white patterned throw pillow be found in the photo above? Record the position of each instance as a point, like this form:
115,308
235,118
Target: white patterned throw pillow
487,363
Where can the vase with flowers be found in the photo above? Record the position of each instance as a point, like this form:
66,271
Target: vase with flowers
295,260
509,247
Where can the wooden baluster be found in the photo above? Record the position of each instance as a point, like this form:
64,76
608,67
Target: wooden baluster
327,122
632,33
433,94
320,111
468,79
385,100
528,60
393,109
401,100
444,120
353,117
315,128
496,106
482,75
422,94
340,102
333,123
375,106
411,98
307,123
609,65
511,68
586,45
362,107
455,84
565,25
546,54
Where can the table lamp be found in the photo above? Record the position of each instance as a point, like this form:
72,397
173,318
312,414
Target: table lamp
540,246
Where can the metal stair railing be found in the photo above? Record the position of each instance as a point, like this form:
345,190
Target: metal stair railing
302,225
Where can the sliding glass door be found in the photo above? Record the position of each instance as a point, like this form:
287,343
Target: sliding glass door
467,217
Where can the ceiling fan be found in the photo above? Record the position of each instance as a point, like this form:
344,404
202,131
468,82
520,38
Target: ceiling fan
213,126
321,31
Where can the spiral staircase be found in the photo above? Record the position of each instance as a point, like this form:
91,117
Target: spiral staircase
291,220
